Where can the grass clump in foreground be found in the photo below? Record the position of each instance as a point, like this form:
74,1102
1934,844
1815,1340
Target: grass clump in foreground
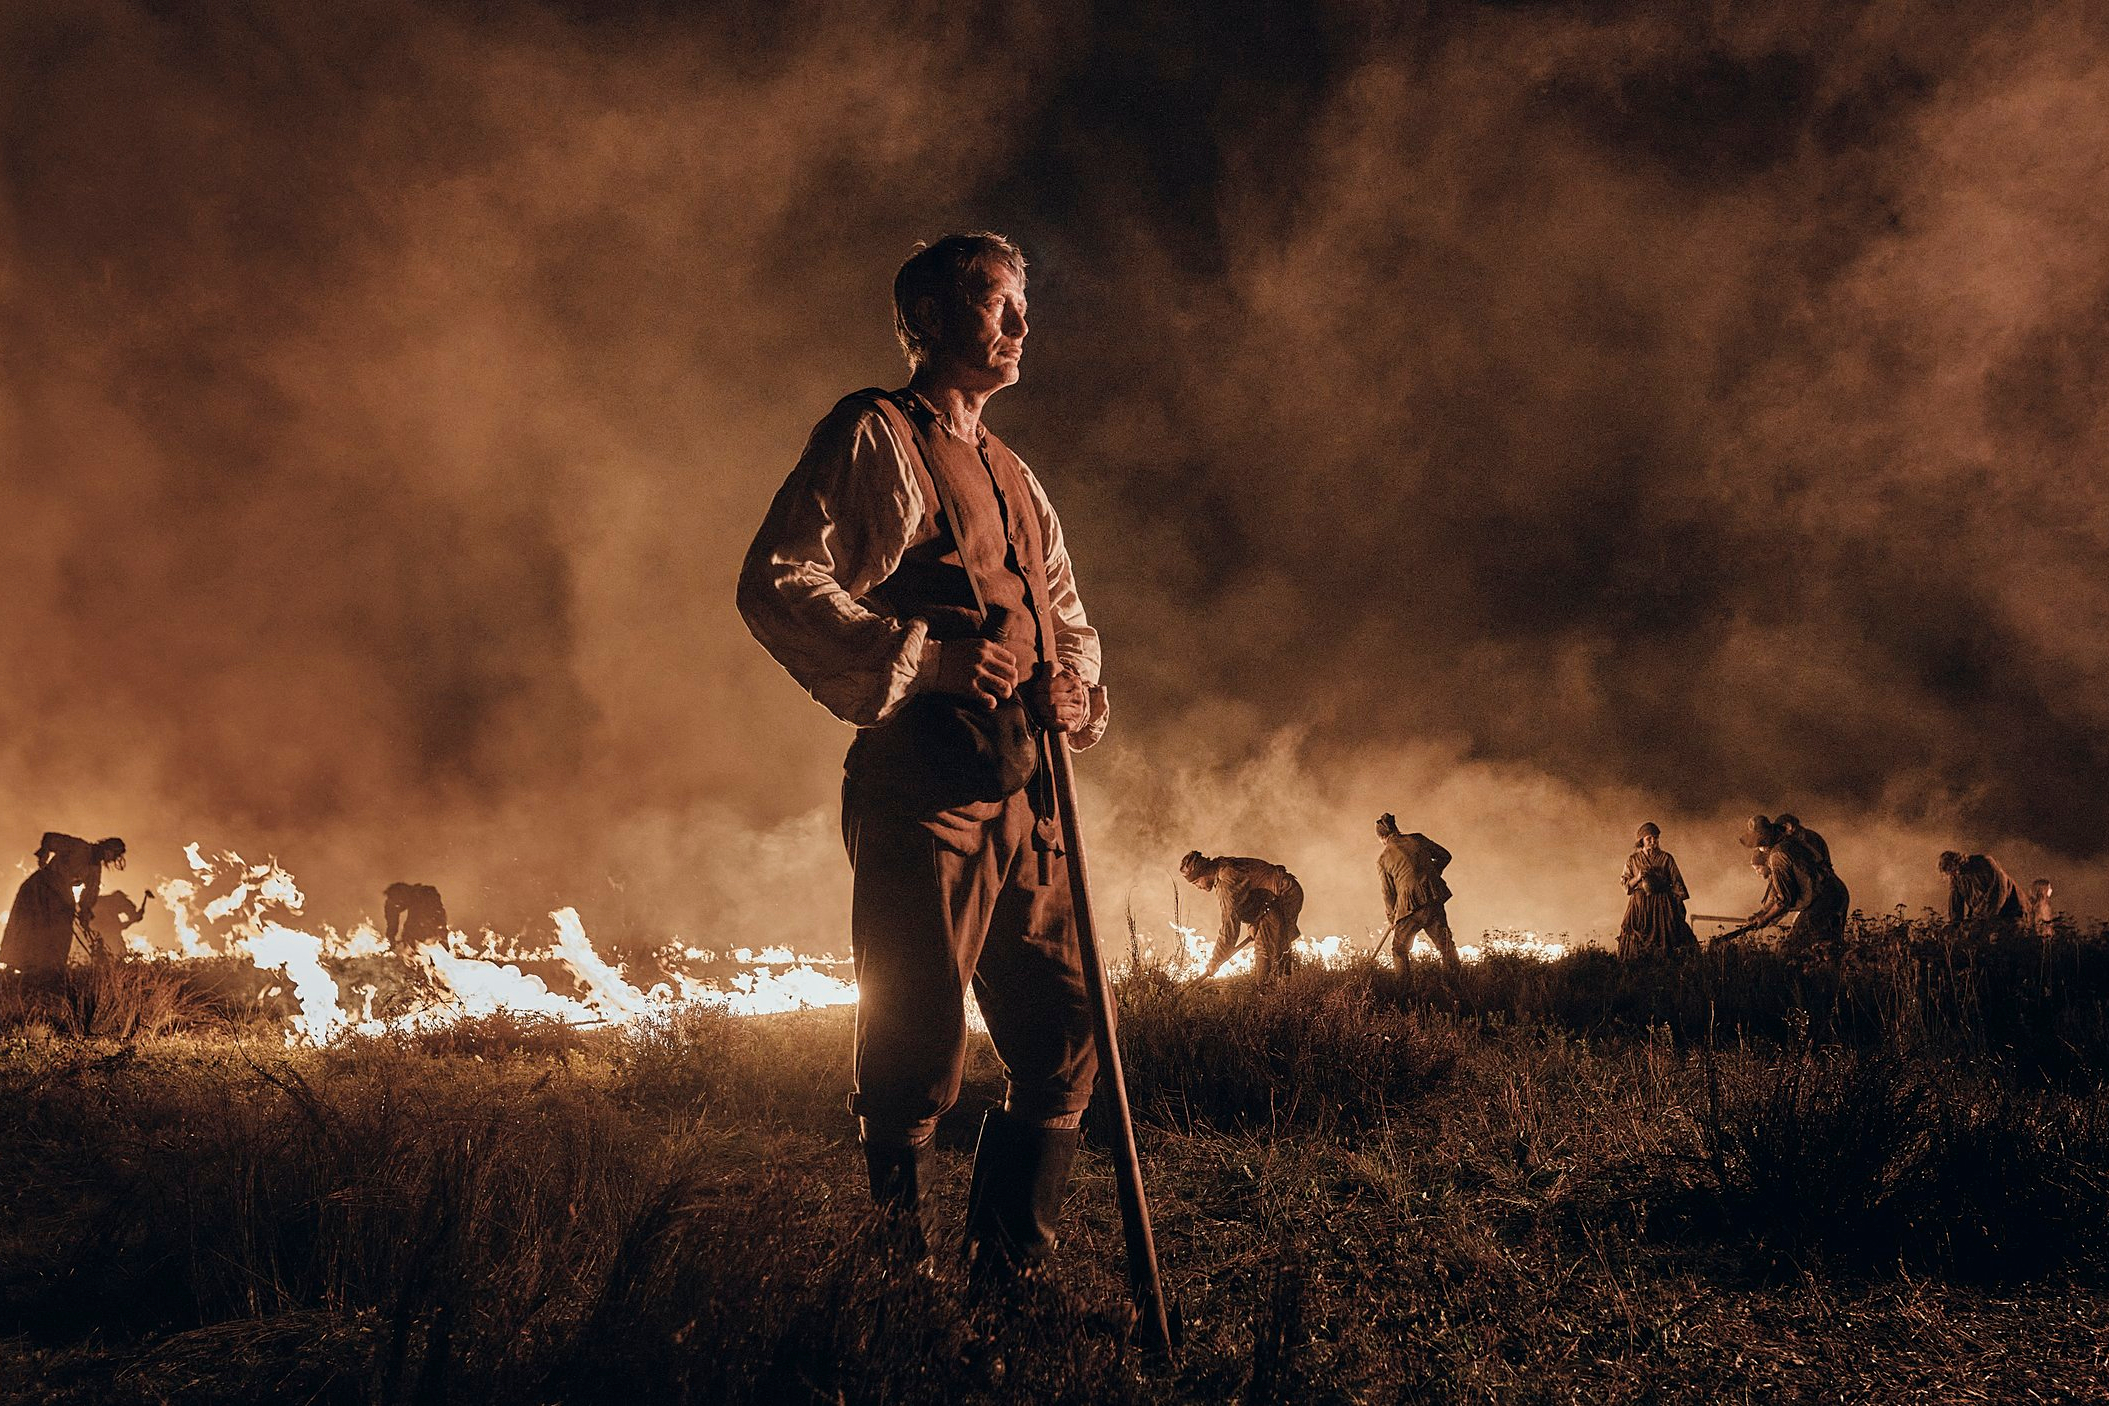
1726,1180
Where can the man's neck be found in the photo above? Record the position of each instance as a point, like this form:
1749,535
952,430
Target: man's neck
960,406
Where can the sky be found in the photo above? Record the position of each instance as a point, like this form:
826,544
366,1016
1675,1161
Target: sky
1530,419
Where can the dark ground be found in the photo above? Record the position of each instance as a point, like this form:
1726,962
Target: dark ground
1573,1181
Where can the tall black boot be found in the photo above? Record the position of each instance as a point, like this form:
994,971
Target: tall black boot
900,1173
1020,1172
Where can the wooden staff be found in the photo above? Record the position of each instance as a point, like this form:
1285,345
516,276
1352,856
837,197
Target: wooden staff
1143,1277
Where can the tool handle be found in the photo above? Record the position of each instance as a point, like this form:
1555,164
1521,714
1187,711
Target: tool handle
1143,1276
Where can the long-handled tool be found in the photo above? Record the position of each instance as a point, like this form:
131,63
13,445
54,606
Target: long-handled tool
1143,1278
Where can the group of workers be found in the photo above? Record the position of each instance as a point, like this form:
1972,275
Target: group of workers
1261,900
62,905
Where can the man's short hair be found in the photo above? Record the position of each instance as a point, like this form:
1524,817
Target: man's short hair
1950,861
940,271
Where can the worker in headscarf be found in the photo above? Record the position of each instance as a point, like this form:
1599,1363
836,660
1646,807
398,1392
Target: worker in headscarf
41,924
1261,902
1980,892
1796,881
1411,869
1655,922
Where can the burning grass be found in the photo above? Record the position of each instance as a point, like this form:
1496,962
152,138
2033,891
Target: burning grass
1538,1181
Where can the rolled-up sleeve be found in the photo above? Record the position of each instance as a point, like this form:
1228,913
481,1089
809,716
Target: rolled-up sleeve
1076,643
836,529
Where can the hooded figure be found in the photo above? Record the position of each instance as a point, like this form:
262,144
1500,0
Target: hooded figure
1654,921
41,923
1980,891
1255,895
1411,869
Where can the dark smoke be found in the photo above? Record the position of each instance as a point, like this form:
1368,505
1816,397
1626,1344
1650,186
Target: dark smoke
1531,419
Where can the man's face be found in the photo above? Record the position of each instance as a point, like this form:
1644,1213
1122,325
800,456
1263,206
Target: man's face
984,333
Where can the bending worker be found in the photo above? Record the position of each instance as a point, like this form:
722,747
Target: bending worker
1796,881
41,923
1411,867
1980,892
1264,897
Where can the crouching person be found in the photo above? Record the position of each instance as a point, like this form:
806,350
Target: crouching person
911,575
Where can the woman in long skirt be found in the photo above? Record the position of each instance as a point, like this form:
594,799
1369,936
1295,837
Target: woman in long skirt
1655,921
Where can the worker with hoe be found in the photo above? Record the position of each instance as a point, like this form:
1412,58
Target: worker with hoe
1260,903
1982,897
1796,881
1411,869
911,575
43,919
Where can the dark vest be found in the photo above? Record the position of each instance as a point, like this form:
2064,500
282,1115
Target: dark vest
995,545
984,555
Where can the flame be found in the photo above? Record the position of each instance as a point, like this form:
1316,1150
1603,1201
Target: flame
1192,955
1194,951
229,906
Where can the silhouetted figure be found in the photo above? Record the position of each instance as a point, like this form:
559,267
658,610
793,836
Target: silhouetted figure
41,924
912,576
116,914
2042,908
1981,895
1655,922
1795,830
1798,882
1410,867
412,915
1255,895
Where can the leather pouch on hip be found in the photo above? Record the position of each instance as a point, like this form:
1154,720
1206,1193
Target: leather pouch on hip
942,751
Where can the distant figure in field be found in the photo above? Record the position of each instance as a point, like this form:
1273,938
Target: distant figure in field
1796,881
40,925
1254,894
412,915
115,913
2042,912
1411,867
1795,830
1980,893
1654,921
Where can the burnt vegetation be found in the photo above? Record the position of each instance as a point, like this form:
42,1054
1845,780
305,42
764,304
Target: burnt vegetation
1583,1179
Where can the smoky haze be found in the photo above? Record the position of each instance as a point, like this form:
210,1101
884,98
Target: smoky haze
1527,421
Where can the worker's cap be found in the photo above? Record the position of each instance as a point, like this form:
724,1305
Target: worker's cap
1193,864
1760,831
1950,861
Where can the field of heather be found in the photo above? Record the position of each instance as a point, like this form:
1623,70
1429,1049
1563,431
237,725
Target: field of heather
1568,1180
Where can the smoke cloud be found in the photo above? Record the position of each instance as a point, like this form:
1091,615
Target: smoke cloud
1528,421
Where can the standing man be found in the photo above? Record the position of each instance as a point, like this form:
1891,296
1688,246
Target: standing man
1411,867
911,575
1255,894
1980,892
